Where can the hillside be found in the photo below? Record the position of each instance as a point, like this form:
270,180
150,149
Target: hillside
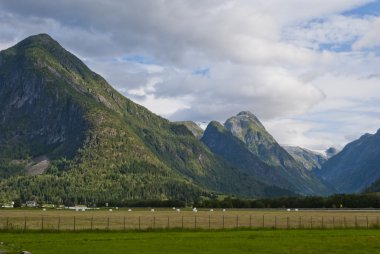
193,127
90,144
309,159
374,187
247,127
356,167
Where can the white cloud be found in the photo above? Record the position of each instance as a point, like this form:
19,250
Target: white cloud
371,38
295,132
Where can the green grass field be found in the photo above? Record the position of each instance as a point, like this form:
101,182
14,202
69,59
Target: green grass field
220,242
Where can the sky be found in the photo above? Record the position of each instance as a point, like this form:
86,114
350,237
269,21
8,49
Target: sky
309,70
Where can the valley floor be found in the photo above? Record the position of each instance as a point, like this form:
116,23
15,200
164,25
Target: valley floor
143,219
233,241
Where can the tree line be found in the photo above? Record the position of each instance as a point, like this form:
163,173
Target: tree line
365,200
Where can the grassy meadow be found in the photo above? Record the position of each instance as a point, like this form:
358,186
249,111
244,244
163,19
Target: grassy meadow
122,219
220,242
171,231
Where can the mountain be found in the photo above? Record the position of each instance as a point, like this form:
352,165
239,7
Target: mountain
356,167
309,159
269,161
331,151
66,136
223,143
193,127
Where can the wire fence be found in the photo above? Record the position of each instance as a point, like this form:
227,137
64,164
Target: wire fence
80,223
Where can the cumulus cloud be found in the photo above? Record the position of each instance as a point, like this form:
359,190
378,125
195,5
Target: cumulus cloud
286,60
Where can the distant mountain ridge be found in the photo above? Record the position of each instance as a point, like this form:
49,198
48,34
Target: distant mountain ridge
258,153
309,159
356,167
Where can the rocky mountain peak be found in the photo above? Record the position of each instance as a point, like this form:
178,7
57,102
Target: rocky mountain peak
246,118
248,128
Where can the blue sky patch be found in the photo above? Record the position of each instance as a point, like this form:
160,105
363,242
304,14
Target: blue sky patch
203,72
368,9
342,47
141,59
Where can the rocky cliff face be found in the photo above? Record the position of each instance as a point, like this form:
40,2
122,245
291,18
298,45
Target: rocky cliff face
30,124
357,166
309,159
250,130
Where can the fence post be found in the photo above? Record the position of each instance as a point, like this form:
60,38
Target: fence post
367,221
344,222
74,223
195,222
168,221
333,222
356,221
154,222
92,223
311,221
287,222
59,222
209,222
275,222
299,222
182,221
250,221
108,223
223,222
263,221
25,224
322,221
139,222
237,221
42,223
378,221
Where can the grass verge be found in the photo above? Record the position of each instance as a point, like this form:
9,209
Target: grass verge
233,241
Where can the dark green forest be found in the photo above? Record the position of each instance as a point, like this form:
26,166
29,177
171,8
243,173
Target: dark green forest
364,200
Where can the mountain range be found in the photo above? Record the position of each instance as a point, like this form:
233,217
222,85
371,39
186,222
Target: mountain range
67,136
245,143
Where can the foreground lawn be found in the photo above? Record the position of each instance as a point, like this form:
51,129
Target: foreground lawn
255,241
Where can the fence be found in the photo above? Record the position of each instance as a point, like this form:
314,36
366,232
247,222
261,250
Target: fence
78,223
